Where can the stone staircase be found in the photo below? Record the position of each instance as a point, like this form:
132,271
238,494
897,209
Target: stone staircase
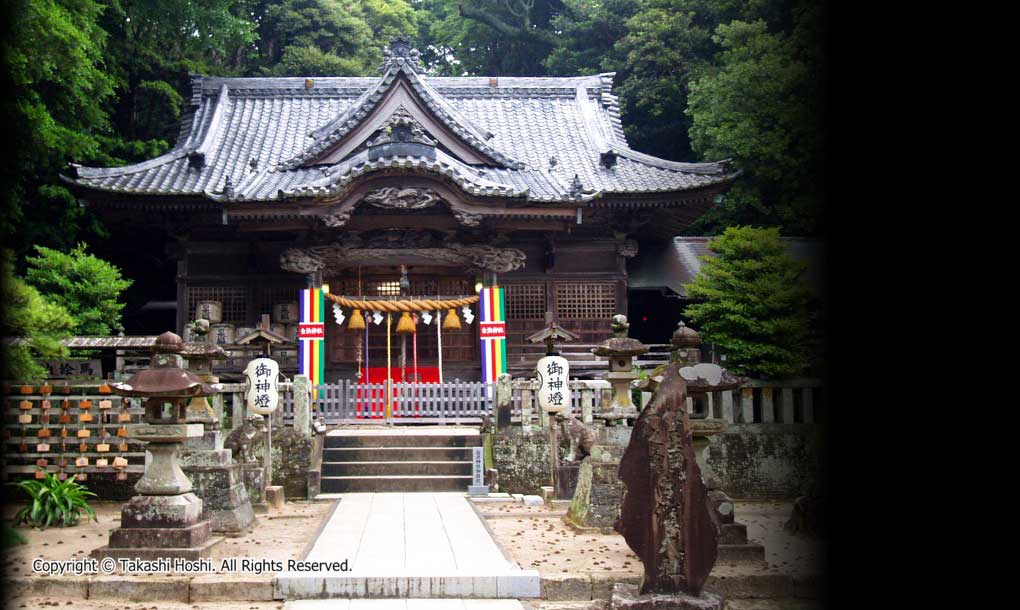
398,459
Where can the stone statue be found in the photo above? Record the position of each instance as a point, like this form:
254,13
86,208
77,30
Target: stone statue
581,437
666,518
247,442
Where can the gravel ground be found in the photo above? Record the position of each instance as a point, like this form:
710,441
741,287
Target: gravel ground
280,535
536,537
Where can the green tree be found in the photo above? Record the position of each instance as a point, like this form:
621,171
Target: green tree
588,33
329,37
55,111
759,106
32,327
755,305
87,287
489,37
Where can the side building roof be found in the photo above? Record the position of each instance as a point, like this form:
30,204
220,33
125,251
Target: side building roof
673,264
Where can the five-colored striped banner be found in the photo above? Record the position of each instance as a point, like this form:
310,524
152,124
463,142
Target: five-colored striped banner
311,334
492,328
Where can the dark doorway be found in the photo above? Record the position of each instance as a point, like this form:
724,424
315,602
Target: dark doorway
653,315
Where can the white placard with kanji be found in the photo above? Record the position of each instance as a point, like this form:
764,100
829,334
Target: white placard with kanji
553,384
263,393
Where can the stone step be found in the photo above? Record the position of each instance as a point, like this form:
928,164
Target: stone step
741,552
419,483
403,440
403,467
733,533
397,454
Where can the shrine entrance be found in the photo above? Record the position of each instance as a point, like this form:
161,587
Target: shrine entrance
352,351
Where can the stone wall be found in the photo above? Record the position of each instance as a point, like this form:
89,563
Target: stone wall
766,460
523,460
752,460
292,459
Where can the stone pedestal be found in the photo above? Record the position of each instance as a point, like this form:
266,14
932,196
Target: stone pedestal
254,477
628,597
596,501
733,542
165,520
218,482
566,480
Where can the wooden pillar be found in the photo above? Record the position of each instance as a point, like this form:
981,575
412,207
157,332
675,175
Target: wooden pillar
182,293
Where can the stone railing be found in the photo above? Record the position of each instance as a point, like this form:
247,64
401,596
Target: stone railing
586,397
790,401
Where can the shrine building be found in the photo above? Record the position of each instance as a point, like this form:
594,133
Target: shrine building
412,185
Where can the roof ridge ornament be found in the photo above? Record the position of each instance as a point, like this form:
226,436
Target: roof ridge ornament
400,53
401,126
576,188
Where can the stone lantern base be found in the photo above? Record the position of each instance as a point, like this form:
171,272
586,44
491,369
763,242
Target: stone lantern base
218,480
599,491
160,526
628,597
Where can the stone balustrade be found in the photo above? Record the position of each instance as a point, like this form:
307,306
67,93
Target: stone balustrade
790,401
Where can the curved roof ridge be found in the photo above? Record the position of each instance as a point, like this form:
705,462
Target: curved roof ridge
185,147
338,176
334,131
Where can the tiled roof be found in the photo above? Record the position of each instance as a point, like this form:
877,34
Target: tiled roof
673,264
537,133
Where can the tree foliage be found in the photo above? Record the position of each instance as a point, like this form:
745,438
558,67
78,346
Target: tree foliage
755,304
32,327
758,107
87,287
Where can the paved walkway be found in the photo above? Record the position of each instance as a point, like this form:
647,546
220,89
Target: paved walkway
413,545
404,604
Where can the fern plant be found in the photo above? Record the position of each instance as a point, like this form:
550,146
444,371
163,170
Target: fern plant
54,502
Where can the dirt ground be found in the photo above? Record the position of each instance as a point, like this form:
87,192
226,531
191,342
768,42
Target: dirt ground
536,537
280,535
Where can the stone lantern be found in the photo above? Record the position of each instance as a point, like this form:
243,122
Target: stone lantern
164,519
620,351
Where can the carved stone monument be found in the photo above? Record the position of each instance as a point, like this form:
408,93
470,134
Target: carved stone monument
702,380
165,518
666,517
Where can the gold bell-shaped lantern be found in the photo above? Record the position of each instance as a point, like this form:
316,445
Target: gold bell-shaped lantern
357,321
452,322
406,325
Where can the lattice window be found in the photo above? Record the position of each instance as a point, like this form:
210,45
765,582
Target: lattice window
384,289
233,298
576,301
420,287
525,301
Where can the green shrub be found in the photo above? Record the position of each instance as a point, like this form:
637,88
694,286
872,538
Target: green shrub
54,502
753,303
10,537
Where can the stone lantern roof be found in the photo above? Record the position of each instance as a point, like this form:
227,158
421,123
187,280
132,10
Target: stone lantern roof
620,344
165,378
685,337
